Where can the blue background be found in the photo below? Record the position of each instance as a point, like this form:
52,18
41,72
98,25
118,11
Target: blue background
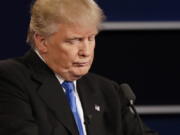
141,10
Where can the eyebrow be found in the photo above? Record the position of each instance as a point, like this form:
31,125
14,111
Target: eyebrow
79,37
74,38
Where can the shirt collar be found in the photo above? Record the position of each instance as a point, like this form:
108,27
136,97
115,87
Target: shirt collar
37,52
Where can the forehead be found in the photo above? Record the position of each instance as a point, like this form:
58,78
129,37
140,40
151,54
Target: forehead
79,30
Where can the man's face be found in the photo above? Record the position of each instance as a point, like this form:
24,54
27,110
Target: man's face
70,51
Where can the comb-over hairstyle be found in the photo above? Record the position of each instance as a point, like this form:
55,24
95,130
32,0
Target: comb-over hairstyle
47,14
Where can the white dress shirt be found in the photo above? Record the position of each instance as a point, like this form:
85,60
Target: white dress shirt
78,102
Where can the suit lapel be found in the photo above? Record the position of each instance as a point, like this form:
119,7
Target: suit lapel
92,104
86,95
51,92
89,99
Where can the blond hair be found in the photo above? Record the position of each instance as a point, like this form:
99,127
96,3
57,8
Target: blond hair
47,14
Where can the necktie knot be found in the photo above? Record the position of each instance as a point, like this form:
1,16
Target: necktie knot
68,86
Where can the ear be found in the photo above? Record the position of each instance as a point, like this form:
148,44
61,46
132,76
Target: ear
40,43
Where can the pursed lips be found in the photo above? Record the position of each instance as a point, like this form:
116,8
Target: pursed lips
81,64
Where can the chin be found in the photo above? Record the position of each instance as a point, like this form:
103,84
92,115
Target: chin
78,75
81,74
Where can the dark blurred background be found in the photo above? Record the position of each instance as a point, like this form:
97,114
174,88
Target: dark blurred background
146,58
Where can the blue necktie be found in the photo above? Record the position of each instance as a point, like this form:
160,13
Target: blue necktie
69,87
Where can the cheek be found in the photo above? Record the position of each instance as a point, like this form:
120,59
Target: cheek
92,51
69,55
93,47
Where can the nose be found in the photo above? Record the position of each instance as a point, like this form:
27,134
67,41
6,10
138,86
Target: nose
86,48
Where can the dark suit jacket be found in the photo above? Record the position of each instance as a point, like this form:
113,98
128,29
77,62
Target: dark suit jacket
32,102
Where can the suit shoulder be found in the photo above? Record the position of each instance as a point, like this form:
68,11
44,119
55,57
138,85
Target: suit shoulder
11,65
12,78
12,69
98,79
108,86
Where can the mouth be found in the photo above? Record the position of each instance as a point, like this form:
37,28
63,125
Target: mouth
81,64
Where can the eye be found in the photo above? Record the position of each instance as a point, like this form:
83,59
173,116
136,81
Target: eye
73,41
91,38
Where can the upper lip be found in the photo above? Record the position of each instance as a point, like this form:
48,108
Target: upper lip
81,63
